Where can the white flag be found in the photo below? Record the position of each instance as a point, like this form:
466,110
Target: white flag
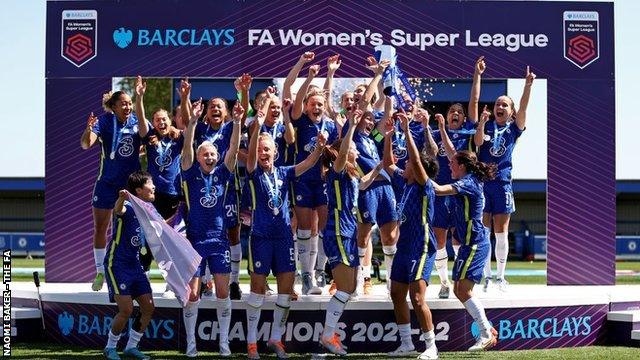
174,254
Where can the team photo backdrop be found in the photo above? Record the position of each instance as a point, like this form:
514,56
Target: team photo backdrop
568,44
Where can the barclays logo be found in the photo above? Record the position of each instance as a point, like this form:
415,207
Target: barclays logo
94,325
540,328
122,37
65,323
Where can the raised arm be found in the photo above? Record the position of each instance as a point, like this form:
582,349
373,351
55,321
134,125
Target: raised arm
293,74
372,65
311,160
185,100
370,177
302,92
373,85
289,131
88,137
252,155
333,63
430,146
521,116
119,208
141,87
449,149
186,159
474,98
242,85
412,149
231,157
478,137
341,161
387,157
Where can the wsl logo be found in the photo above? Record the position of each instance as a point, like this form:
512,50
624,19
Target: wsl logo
581,37
123,37
79,36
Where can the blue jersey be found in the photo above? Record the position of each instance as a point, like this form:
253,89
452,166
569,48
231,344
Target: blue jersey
415,210
499,142
221,137
306,136
467,211
124,247
163,162
342,192
399,143
277,134
270,201
120,144
368,157
204,194
462,139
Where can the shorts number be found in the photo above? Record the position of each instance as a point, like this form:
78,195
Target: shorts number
413,264
459,264
231,210
227,256
292,252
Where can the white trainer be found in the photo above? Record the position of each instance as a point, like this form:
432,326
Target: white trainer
403,350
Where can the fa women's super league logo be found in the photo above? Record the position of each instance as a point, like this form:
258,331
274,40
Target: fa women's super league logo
581,35
79,36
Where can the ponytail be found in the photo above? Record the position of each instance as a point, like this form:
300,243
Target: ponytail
329,156
109,100
482,171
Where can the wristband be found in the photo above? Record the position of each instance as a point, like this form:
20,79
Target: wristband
377,136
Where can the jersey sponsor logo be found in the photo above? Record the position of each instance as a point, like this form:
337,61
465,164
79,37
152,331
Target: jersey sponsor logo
400,152
163,162
499,150
125,146
402,215
311,145
441,151
79,36
211,199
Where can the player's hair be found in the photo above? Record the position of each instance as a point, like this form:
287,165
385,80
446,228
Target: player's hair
267,137
110,98
204,144
458,105
330,154
430,165
482,171
173,134
137,180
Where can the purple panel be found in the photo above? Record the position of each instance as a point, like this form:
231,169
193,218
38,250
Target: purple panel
581,172
71,173
523,328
